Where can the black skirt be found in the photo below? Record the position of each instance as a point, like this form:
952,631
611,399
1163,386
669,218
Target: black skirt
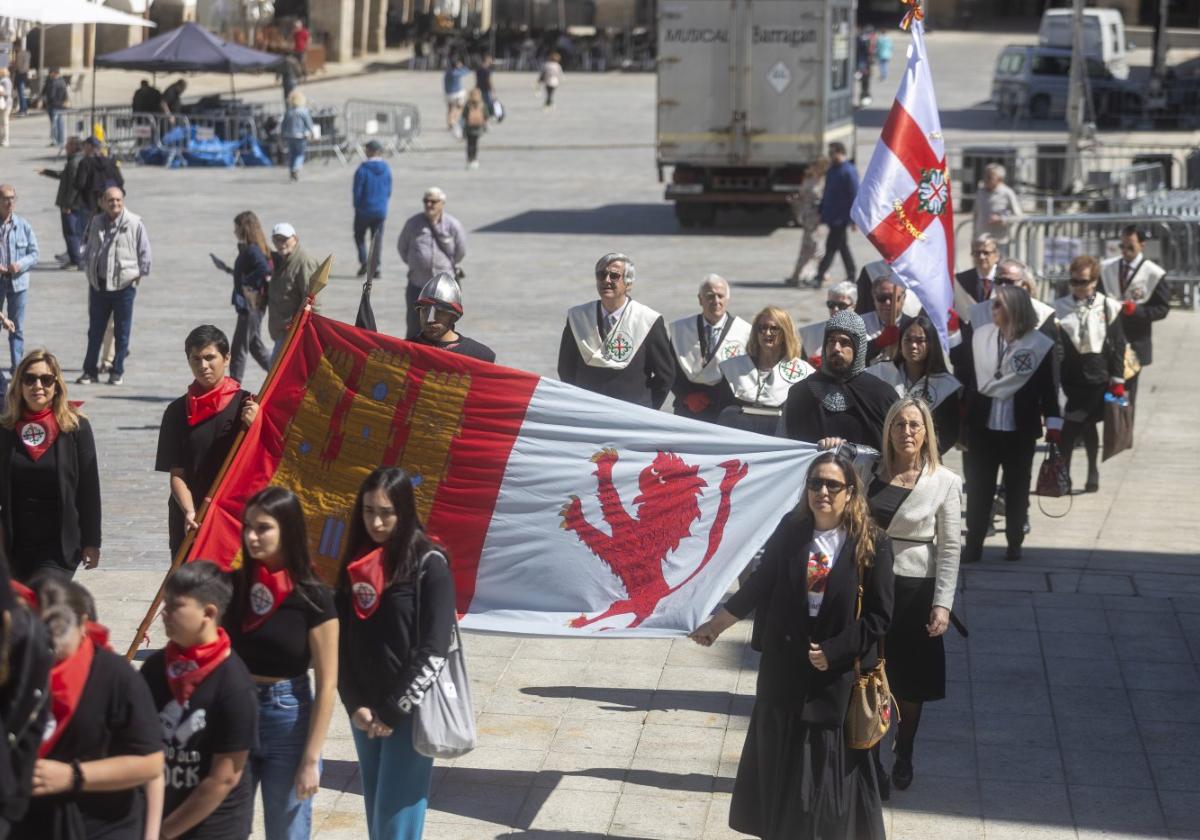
797,781
1085,403
916,664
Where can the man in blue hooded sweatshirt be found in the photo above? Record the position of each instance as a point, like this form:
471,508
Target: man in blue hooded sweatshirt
372,191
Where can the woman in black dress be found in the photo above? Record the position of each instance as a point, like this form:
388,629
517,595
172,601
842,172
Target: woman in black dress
1007,371
919,370
1093,362
49,478
797,778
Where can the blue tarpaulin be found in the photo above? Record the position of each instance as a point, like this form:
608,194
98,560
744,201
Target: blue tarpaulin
203,151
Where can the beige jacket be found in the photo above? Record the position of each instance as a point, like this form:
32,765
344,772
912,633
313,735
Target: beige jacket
285,293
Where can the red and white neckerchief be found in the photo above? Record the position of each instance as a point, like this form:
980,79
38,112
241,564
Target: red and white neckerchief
202,405
366,583
67,679
267,592
38,430
188,667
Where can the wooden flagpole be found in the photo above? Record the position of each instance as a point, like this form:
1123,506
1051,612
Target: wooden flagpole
316,283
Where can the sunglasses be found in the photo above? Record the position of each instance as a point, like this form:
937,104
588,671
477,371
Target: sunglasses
47,380
1075,281
429,202
982,253
883,298
816,485
839,305
614,275
768,328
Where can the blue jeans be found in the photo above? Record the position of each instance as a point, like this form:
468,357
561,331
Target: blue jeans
395,782
14,304
56,125
363,224
101,306
296,146
284,709
73,227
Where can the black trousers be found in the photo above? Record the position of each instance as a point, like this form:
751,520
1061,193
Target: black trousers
836,243
1131,389
989,451
411,293
472,146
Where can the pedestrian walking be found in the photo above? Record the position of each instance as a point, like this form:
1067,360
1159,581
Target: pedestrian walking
6,104
431,243
199,428
104,741
18,254
1140,285
455,89
806,208
864,55
395,601
701,342
440,307
49,476
918,502
21,61
796,776
372,193
919,370
474,124
550,78
841,188
1006,367
71,203
251,276
290,73
485,81
1093,365
301,38
296,129
288,289
117,259
207,712
996,205
55,99
615,345
883,53
281,620
758,382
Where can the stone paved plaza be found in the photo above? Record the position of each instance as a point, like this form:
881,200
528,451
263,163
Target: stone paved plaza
1071,709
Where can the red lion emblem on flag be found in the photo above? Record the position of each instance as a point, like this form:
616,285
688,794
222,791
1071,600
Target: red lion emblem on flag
667,506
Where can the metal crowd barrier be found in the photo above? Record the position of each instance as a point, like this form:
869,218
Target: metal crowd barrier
395,125
1047,244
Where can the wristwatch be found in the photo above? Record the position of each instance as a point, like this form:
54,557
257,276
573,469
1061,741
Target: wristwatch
76,776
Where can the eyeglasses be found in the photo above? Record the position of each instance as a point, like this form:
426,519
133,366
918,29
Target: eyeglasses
983,253
816,485
909,426
883,298
430,202
47,380
768,328
614,275
7,197
1080,281
838,305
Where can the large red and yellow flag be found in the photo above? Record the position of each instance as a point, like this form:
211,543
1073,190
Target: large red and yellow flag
564,512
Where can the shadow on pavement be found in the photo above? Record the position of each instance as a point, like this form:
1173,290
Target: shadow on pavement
627,220
644,699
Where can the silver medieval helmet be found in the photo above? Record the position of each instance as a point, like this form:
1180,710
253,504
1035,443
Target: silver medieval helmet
441,292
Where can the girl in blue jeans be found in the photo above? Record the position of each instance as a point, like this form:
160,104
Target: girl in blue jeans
395,599
282,618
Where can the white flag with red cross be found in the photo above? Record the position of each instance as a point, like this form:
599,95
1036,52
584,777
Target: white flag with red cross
903,203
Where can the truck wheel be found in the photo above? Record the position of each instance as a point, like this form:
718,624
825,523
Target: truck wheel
691,214
1039,107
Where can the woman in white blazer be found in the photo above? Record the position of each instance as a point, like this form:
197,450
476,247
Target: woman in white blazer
918,502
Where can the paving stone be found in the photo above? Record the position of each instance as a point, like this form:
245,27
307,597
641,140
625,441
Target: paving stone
576,811
998,762
1106,767
1108,810
655,816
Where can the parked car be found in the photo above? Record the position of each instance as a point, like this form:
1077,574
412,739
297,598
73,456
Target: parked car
1034,81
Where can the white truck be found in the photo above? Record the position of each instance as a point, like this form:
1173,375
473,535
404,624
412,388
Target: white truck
749,93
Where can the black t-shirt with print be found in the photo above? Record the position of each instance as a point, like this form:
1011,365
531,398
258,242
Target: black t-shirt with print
279,646
115,716
220,717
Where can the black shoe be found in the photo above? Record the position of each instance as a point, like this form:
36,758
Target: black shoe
1013,553
362,271
1093,481
902,773
885,784
377,274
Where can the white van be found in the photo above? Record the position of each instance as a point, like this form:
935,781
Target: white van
1103,36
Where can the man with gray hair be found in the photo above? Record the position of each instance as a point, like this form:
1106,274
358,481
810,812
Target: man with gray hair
841,296
430,243
976,283
701,342
614,345
996,205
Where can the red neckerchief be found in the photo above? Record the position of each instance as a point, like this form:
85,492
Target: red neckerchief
269,590
98,633
188,667
204,404
37,430
67,679
366,583
25,594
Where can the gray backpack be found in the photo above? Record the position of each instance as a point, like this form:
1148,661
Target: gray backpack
444,721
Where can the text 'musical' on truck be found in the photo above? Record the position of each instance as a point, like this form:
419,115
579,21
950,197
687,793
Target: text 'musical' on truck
750,92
